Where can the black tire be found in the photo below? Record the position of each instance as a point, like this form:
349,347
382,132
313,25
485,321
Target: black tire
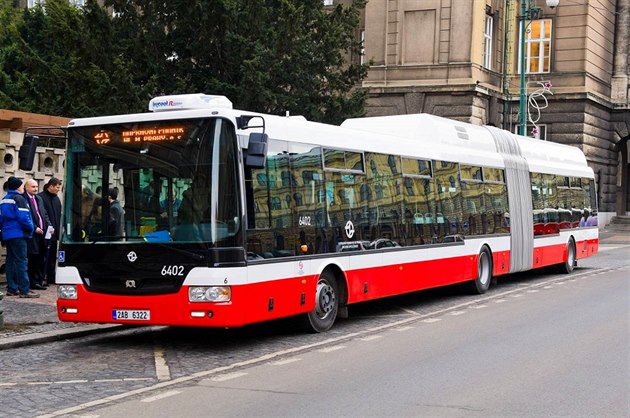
323,317
484,273
569,263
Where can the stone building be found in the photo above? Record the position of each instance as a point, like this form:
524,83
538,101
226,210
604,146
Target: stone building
460,59
49,161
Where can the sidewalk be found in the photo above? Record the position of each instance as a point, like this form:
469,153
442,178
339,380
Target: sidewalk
33,321
613,237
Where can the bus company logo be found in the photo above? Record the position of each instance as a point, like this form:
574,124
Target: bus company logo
130,284
349,229
132,256
166,104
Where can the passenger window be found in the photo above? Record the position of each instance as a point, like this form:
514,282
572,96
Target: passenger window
470,173
416,167
493,175
343,160
448,217
334,159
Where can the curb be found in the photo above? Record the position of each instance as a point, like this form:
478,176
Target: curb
56,335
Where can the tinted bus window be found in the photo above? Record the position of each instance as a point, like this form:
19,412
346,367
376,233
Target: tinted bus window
416,167
447,217
470,173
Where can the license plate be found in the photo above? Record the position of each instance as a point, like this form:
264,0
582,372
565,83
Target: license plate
131,315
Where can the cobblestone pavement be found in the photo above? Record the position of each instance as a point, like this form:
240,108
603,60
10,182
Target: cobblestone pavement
29,321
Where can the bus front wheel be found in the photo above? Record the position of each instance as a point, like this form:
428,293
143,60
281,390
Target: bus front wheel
323,316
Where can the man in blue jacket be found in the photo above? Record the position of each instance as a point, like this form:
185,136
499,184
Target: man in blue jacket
17,228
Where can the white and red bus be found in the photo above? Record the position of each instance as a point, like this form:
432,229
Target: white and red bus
231,217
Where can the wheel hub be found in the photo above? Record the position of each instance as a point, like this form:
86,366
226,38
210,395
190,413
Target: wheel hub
325,299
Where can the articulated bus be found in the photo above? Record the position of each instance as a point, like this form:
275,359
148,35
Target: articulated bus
198,214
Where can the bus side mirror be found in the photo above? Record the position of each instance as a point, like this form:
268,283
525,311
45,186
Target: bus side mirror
256,150
27,152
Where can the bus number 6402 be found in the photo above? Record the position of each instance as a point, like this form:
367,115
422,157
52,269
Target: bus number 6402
173,271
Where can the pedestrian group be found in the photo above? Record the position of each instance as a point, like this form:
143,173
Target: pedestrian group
30,223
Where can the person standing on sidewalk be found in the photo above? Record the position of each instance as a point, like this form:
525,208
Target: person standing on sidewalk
52,204
17,228
36,246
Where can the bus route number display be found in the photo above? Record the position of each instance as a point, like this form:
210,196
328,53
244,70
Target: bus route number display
165,134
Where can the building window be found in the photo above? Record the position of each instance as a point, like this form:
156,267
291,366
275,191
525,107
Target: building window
537,46
328,2
534,131
487,45
77,3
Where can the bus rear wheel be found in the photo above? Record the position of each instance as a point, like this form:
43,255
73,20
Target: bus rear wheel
484,273
569,263
323,316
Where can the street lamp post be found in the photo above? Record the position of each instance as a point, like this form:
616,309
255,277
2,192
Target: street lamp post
528,8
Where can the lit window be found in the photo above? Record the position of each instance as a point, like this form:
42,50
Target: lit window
487,43
537,46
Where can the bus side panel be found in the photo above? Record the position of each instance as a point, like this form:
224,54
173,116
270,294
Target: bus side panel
552,250
396,279
500,263
273,299
549,255
587,248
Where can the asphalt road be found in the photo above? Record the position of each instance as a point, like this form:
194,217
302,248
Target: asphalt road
559,348
537,344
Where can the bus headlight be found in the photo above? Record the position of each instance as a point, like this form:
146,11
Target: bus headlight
67,291
209,294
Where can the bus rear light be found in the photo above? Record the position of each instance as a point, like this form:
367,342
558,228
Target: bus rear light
67,292
209,294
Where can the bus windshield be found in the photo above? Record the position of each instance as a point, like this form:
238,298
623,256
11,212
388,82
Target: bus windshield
159,181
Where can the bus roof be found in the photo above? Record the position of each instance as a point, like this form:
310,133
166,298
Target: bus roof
542,156
419,135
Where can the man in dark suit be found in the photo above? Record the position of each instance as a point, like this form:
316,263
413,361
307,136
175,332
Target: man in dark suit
36,246
52,204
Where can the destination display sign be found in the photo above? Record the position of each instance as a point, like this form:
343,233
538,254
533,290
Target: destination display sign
162,134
